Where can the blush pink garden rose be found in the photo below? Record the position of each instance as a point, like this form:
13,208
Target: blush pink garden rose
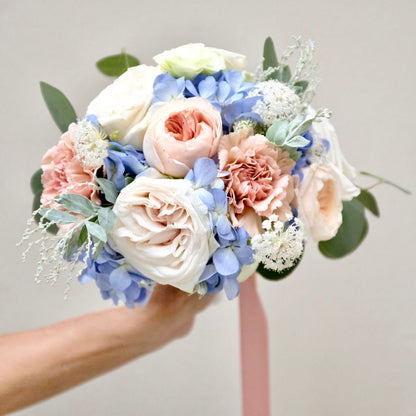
260,182
62,169
321,203
163,230
179,133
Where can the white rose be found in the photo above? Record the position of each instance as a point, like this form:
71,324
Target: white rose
343,171
163,230
123,106
195,58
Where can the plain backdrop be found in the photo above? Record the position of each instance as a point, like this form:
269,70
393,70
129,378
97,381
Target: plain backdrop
342,333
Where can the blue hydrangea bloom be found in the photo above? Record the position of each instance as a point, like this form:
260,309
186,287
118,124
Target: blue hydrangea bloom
233,252
117,279
304,160
166,88
123,162
227,92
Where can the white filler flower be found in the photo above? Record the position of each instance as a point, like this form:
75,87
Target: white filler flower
280,245
279,102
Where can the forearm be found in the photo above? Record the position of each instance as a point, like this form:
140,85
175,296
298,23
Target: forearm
37,364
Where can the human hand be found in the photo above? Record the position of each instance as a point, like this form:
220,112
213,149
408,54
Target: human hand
170,314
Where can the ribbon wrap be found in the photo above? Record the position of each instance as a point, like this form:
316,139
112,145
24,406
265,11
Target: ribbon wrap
254,351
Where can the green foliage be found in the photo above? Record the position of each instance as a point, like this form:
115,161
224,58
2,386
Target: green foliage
285,74
106,218
35,182
77,204
274,275
300,87
288,134
115,65
109,189
350,235
59,106
96,231
269,57
386,181
369,201
57,216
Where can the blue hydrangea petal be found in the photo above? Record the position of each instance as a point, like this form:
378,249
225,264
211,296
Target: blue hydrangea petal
234,79
207,88
224,228
244,254
120,279
226,262
231,288
208,273
206,198
223,91
205,171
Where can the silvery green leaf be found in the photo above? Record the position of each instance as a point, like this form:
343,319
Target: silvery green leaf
296,141
58,216
96,231
106,218
277,132
78,204
109,189
300,124
59,106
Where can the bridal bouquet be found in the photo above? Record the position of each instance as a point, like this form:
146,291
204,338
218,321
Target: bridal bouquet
194,173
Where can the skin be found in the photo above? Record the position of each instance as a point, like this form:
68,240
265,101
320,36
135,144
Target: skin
40,363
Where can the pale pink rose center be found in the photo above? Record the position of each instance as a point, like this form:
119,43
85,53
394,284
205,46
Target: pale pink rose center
327,202
186,125
168,222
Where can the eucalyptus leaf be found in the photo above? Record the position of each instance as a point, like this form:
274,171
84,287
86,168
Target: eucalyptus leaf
352,232
96,231
58,216
115,65
270,58
109,189
285,74
296,141
274,275
106,218
369,201
386,181
59,106
78,204
36,182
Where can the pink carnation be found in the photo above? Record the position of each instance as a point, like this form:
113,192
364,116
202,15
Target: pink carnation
62,169
260,183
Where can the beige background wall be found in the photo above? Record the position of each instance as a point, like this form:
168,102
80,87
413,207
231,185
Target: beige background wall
343,334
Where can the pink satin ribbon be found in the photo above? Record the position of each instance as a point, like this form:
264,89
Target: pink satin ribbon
254,351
